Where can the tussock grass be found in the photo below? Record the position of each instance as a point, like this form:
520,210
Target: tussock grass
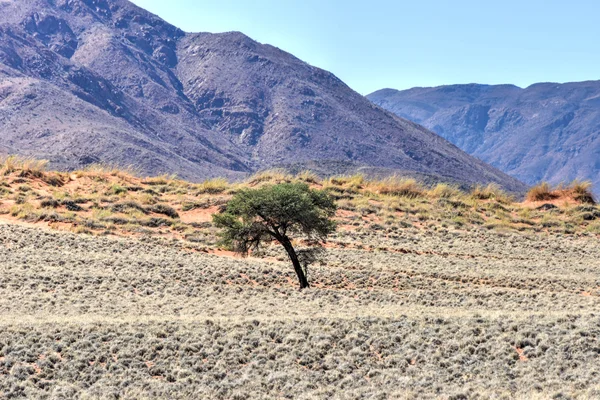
26,166
106,199
270,176
578,191
408,188
491,192
445,191
541,192
213,186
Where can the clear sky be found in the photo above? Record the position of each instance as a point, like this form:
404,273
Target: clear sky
374,44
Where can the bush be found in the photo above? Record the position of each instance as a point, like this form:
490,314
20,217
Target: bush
49,203
164,210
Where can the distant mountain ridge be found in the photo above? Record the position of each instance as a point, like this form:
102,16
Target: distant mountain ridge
546,131
87,81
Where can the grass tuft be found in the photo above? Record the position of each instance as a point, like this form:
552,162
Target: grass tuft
577,191
408,188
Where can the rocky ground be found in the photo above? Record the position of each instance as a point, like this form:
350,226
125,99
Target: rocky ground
416,314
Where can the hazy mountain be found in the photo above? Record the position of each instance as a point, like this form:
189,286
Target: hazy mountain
547,131
83,81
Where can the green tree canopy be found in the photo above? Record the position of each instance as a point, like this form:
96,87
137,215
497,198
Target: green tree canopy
275,213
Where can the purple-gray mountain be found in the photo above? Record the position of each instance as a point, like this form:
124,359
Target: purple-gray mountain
547,131
88,81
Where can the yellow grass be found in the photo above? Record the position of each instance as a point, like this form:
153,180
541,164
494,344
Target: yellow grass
577,191
409,188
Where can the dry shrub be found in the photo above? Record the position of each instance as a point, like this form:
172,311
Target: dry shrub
409,188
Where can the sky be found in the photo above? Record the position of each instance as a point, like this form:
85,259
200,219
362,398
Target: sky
401,44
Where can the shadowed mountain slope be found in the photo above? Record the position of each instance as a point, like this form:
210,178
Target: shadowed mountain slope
86,81
547,131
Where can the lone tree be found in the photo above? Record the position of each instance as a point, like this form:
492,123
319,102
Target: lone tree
273,213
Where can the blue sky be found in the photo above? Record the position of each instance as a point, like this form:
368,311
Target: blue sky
401,44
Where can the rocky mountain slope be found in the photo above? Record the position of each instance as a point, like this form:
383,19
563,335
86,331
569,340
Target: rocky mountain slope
547,131
87,81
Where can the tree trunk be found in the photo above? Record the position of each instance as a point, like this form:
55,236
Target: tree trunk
294,258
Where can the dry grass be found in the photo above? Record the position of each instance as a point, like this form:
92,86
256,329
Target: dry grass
25,166
408,188
577,191
491,192
424,292
213,186
406,315
385,205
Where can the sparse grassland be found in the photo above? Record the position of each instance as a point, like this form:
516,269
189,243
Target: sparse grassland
424,292
104,200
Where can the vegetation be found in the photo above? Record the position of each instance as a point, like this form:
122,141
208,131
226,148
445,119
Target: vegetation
421,292
104,200
577,191
277,212
436,314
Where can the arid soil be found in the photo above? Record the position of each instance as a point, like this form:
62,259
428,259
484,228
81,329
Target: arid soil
417,314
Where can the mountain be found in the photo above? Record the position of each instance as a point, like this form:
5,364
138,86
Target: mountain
546,132
87,81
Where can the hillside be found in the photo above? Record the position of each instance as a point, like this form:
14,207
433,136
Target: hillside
112,286
546,132
88,81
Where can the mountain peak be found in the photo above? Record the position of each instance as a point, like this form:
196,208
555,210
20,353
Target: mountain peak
547,131
103,80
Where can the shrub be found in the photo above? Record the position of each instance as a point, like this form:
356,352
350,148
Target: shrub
71,205
128,205
164,210
117,190
49,203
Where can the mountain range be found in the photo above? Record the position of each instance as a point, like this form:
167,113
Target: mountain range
104,81
545,132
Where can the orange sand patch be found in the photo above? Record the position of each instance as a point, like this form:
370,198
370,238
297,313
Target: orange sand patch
224,253
198,215
521,353
345,213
